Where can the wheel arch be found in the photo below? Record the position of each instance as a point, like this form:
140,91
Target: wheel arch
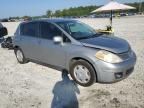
81,58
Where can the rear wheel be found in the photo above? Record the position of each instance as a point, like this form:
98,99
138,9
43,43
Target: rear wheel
20,56
83,73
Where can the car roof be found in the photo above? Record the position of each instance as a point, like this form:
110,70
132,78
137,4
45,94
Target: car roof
50,20
59,20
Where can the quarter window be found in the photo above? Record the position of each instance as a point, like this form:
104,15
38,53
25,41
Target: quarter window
48,30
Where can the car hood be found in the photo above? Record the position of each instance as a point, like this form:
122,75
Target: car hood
109,43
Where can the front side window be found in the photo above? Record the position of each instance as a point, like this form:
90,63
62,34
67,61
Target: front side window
49,31
30,29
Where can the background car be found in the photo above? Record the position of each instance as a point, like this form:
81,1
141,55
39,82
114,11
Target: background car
3,32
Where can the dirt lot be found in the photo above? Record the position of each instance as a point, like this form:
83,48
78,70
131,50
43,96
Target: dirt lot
35,86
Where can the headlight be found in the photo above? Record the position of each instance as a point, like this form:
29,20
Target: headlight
108,57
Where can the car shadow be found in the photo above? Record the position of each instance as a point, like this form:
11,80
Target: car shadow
65,93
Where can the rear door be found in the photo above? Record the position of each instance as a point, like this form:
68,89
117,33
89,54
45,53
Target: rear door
29,40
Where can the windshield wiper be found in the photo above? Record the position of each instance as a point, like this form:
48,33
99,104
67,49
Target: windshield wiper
83,38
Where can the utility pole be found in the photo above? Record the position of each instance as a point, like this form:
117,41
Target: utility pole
140,6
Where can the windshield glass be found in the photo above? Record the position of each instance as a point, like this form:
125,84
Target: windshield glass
77,29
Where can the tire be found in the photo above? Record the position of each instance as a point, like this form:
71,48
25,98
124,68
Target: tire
82,70
20,56
3,45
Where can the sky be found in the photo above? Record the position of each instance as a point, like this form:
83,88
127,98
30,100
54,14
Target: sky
39,7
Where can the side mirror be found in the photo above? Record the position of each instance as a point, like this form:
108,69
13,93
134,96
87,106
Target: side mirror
58,40
3,31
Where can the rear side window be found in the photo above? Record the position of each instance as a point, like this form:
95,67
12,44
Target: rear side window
48,30
30,29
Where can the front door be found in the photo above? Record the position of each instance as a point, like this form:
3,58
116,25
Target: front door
51,53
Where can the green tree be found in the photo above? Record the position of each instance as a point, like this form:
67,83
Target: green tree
57,13
49,13
86,10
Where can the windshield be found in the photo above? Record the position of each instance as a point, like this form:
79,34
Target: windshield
77,29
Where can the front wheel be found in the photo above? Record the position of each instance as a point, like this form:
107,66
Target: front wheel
20,56
83,73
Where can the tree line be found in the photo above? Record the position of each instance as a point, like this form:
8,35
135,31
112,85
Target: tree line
75,11
86,10
79,11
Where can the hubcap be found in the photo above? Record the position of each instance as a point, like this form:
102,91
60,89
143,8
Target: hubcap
82,74
19,56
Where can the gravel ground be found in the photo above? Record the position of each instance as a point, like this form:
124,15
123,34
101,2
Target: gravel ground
35,86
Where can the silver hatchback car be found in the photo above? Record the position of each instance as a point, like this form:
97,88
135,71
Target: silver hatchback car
71,45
